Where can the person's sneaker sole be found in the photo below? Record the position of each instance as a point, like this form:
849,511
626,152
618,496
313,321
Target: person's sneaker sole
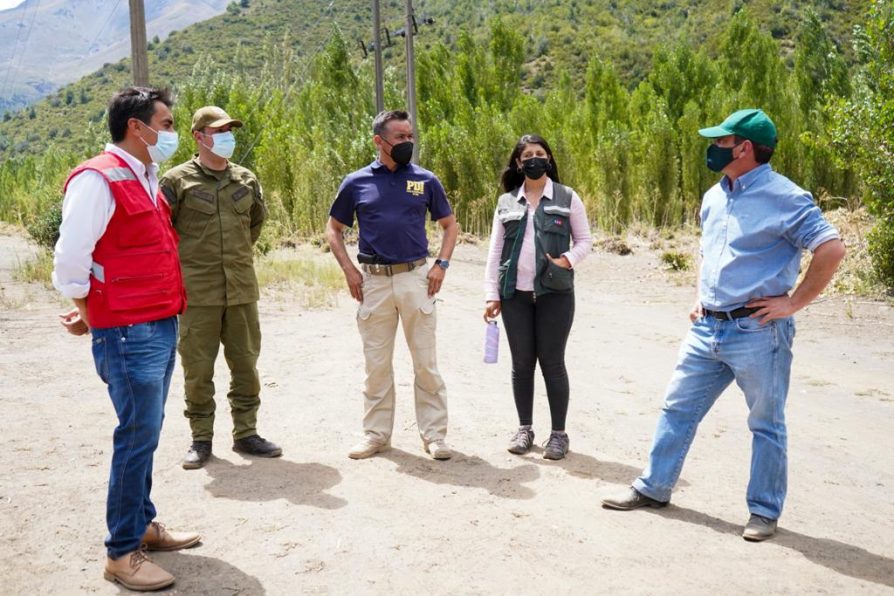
439,456
194,465
555,456
369,452
518,450
138,588
652,504
274,453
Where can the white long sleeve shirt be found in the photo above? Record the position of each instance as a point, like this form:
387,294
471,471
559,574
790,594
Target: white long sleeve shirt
87,208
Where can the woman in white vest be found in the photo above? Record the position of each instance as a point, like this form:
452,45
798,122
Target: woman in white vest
540,233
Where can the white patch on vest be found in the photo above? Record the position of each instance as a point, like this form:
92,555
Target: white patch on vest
98,272
119,174
557,210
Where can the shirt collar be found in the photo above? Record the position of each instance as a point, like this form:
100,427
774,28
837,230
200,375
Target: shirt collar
746,180
135,164
376,165
219,174
547,191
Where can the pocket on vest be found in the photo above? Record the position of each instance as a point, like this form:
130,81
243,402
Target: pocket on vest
557,279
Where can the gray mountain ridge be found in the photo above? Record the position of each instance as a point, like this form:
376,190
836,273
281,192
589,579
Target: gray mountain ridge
45,44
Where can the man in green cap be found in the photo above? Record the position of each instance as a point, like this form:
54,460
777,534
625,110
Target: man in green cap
218,210
755,225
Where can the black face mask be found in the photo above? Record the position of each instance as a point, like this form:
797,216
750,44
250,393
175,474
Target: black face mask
717,158
535,167
401,153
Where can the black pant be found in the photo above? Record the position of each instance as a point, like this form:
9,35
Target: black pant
537,330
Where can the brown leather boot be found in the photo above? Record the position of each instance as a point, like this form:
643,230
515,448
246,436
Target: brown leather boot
135,571
157,537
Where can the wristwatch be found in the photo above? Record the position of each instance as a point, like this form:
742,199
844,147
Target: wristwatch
442,263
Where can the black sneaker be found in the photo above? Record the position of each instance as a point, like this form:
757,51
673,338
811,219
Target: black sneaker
198,455
255,445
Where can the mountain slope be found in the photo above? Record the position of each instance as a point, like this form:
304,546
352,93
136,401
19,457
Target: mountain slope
45,44
560,35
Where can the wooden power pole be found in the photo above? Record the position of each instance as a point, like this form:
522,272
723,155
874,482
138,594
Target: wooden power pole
377,41
138,45
411,75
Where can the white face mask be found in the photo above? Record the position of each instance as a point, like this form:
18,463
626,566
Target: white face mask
223,144
165,145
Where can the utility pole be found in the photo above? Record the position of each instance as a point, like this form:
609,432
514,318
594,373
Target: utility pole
377,40
411,75
138,56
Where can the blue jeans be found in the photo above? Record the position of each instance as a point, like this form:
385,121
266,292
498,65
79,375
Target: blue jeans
714,354
136,363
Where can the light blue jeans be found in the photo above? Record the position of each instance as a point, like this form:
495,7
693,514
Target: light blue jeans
714,354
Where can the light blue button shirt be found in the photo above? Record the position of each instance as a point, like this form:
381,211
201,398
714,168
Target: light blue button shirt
753,235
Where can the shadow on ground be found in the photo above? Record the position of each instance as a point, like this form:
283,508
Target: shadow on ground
271,479
840,557
204,575
467,471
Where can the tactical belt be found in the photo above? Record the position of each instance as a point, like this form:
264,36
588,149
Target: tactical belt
392,269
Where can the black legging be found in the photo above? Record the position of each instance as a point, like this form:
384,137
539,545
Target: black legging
538,331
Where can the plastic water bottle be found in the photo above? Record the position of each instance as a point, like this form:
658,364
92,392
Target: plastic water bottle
491,343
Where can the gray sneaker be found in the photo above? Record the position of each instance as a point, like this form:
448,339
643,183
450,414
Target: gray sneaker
759,528
556,446
522,441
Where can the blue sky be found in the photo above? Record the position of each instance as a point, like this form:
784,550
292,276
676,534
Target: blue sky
4,4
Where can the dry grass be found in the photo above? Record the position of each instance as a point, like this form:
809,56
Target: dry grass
303,273
855,275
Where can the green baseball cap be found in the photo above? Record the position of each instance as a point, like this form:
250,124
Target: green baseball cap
212,117
750,124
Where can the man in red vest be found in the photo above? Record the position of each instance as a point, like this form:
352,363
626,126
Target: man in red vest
116,258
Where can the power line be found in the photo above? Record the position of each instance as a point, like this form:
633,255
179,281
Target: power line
104,25
308,59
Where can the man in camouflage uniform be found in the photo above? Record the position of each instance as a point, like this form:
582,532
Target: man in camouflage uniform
218,210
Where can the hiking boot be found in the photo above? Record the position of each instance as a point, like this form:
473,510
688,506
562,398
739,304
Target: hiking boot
367,448
632,499
759,528
556,446
255,445
135,571
198,455
438,450
522,441
158,537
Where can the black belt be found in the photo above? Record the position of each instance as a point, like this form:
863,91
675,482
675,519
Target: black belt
729,316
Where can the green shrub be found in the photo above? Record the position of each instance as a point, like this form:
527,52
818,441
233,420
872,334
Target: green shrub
45,229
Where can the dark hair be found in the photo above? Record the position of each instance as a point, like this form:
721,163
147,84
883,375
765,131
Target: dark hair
762,153
387,116
512,178
134,102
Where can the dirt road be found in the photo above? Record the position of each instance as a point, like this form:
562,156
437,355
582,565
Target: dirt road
485,522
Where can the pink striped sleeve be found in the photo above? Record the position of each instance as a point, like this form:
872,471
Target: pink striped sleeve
491,275
580,232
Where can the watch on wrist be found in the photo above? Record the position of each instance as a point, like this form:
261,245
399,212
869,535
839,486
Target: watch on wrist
442,263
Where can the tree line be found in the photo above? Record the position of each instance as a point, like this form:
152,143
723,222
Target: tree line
633,153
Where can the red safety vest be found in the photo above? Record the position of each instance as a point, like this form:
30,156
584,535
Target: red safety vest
136,274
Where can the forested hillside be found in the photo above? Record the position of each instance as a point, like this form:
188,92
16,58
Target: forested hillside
619,88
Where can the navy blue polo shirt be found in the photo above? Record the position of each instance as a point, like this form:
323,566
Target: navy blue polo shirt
391,208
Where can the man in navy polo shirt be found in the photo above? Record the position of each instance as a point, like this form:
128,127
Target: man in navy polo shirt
755,225
391,198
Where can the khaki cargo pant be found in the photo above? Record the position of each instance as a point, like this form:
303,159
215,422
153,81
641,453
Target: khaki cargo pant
202,330
385,300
